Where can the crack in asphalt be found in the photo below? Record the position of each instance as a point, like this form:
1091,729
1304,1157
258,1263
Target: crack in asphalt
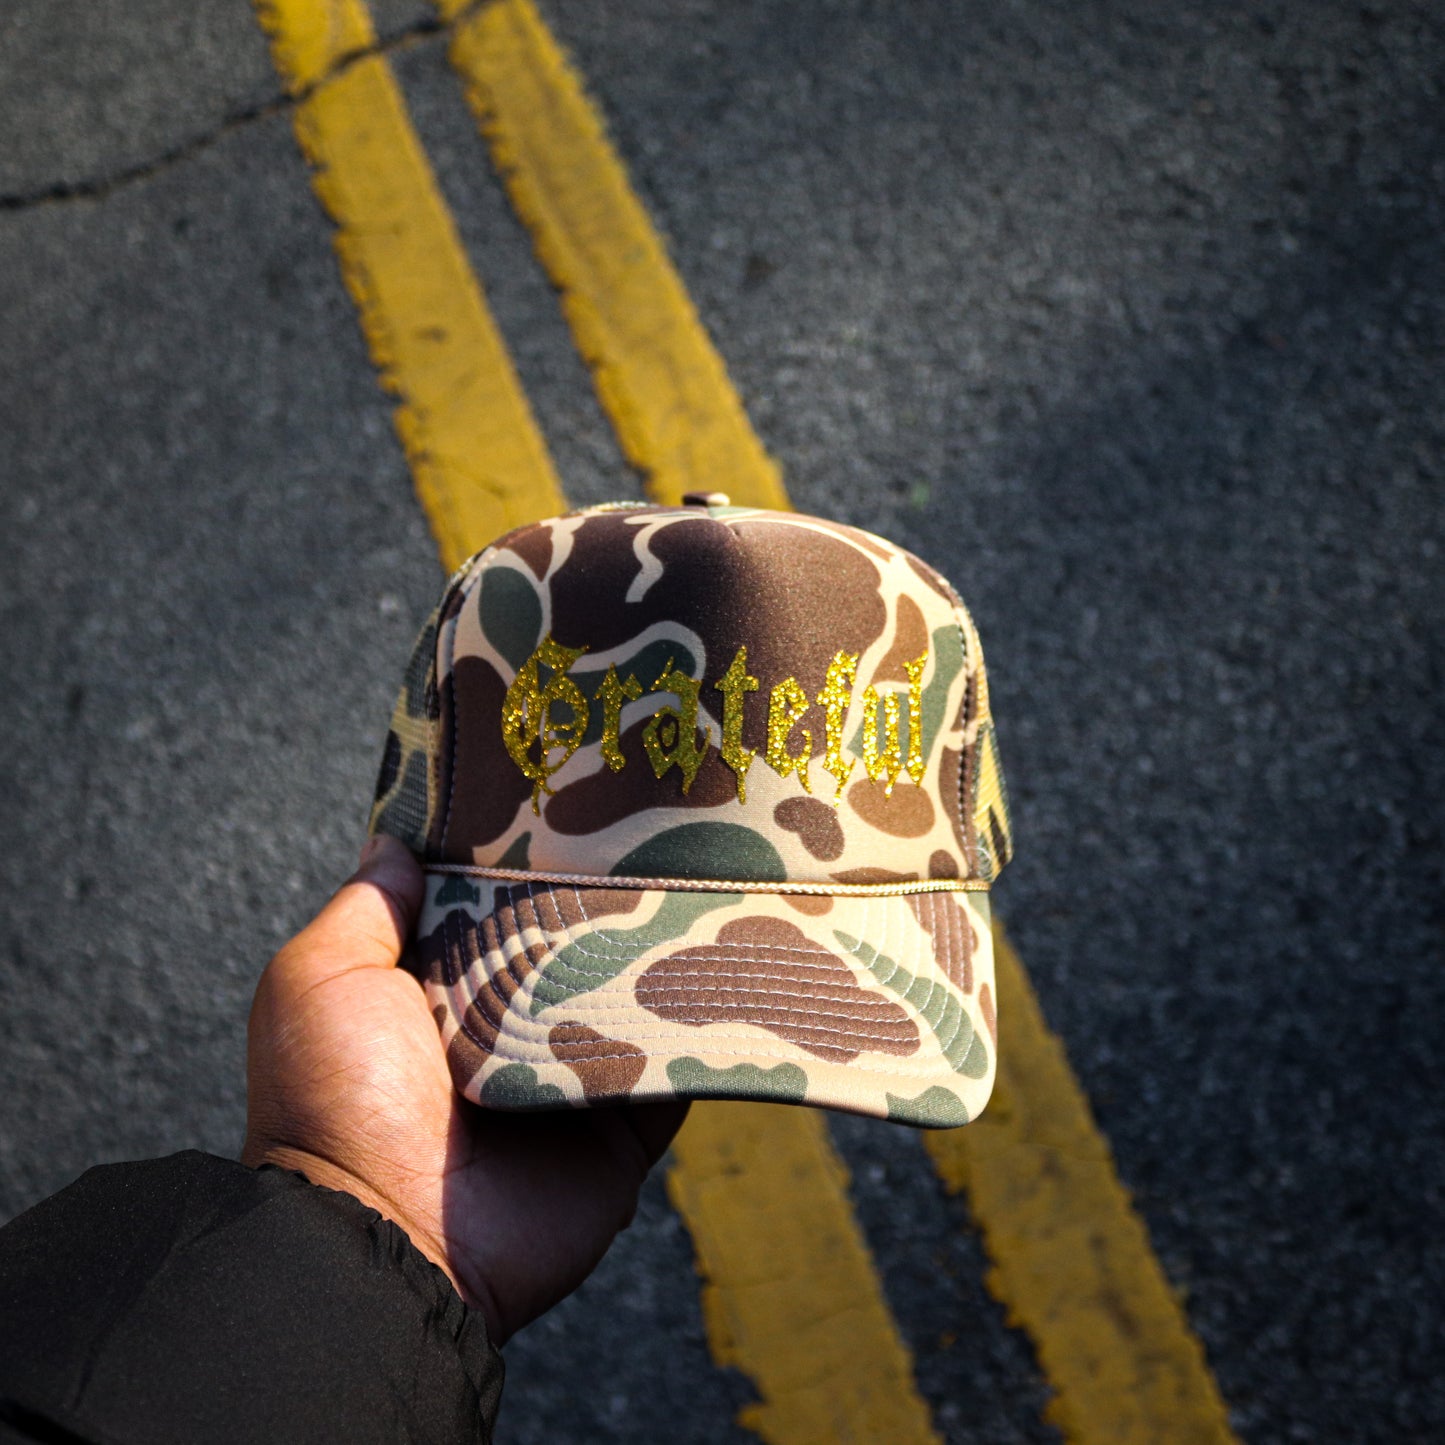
95,188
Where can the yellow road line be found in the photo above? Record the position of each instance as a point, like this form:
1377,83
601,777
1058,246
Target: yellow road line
791,1296
657,374
408,278
660,379
478,461
1071,1258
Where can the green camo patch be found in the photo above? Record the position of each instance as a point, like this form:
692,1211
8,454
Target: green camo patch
511,614
786,1083
516,1086
942,1012
934,1108
456,889
516,854
705,850
598,957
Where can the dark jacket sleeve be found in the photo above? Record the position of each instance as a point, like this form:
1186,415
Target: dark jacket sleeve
192,1298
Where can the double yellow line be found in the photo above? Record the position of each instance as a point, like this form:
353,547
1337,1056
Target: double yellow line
791,1295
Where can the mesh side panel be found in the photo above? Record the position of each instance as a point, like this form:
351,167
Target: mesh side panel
990,807
993,832
404,791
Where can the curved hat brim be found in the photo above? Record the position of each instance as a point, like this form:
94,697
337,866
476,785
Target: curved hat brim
553,995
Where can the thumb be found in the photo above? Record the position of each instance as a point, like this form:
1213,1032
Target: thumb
368,920
304,1016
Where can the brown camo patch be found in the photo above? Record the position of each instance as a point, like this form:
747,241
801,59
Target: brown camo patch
819,592
603,798
575,908
767,972
450,945
607,1068
482,1022
815,904
942,864
451,605
465,1058
951,930
910,641
515,913
534,546
854,538
446,953
487,787
908,813
873,875
990,1014
815,822
455,946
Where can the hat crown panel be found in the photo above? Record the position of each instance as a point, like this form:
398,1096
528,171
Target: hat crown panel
720,693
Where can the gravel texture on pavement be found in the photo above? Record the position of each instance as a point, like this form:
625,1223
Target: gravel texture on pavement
1130,318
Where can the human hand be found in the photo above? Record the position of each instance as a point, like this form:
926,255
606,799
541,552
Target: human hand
347,1082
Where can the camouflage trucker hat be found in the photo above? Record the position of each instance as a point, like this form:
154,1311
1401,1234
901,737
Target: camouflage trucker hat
709,804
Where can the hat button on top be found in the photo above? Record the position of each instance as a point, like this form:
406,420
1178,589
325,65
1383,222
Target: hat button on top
706,499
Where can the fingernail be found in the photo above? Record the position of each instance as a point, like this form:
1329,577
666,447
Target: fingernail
390,865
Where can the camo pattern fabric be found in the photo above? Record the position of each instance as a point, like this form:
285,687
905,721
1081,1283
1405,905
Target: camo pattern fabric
678,699
406,785
551,996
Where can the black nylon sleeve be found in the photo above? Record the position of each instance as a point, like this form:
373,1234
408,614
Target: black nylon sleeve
192,1298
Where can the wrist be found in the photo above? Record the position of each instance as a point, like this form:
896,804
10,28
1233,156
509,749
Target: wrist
327,1174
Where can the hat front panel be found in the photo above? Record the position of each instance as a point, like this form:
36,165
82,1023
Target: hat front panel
753,696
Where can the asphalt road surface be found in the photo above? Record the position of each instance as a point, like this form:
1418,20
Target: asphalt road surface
1130,317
